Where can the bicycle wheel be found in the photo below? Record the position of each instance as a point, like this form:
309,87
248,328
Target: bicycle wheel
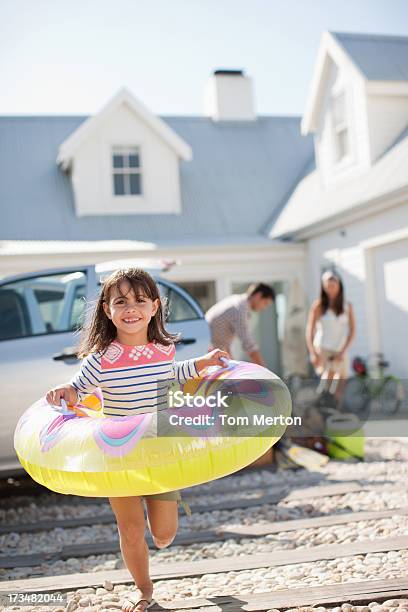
356,396
390,397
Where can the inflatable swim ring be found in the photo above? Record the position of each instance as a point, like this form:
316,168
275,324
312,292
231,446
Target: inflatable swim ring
80,451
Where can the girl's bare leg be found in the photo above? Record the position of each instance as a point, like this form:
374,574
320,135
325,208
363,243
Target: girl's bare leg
131,526
162,515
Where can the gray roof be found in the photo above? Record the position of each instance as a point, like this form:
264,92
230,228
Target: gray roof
239,173
379,57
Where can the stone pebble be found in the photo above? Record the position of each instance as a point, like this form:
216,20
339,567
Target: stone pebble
283,511
304,538
375,468
262,580
299,539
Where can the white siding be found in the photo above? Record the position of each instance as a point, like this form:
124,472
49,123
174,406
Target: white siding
342,79
360,126
387,118
343,248
92,173
323,138
224,264
391,272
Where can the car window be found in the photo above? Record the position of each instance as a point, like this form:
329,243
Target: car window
178,309
78,307
42,304
14,318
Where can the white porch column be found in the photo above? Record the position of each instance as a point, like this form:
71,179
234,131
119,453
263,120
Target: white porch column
223,288
294,352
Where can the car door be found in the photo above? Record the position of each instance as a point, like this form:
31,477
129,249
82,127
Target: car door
184,316
39,317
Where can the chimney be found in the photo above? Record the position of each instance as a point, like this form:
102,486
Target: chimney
229,96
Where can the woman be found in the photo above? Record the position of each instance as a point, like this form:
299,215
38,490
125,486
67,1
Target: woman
330,330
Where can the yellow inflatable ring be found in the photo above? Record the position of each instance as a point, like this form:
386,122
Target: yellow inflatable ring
83,452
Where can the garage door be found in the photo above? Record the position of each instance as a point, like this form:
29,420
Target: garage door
391,275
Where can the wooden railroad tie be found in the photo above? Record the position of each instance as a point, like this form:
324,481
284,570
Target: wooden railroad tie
196,537
182,569
280,495
355,593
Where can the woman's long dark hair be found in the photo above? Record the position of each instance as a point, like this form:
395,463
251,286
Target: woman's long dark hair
100,332
338,305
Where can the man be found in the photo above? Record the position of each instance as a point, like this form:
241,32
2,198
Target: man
230,317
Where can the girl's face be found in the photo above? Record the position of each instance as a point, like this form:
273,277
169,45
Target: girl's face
130,313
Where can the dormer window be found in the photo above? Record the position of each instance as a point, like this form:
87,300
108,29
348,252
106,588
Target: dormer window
126,171
340,128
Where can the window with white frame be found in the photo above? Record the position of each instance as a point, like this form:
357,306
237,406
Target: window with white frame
340,128
126,171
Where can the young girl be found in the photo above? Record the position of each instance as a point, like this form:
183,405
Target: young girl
130,356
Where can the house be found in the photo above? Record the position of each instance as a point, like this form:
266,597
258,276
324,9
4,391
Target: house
127,184
233,196
350,209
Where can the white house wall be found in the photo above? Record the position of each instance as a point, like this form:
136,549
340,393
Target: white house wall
343,249
387,118
343,79
390,270
92,170
361,138
223,264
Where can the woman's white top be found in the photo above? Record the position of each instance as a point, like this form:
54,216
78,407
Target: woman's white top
332,330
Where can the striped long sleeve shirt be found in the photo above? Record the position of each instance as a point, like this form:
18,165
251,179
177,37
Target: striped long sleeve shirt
132,377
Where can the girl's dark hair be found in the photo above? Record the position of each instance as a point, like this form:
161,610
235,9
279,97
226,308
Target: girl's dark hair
100,332
338,305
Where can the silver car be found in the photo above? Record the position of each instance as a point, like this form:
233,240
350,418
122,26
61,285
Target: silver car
40,315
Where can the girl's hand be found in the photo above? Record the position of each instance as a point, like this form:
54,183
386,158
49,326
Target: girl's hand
212,358
66,392
339,356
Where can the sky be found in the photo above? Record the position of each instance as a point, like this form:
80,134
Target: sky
70,57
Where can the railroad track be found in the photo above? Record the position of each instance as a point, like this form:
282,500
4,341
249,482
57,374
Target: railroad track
210,576
214,535
272,498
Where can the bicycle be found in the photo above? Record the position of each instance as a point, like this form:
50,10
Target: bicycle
370,384
308,391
